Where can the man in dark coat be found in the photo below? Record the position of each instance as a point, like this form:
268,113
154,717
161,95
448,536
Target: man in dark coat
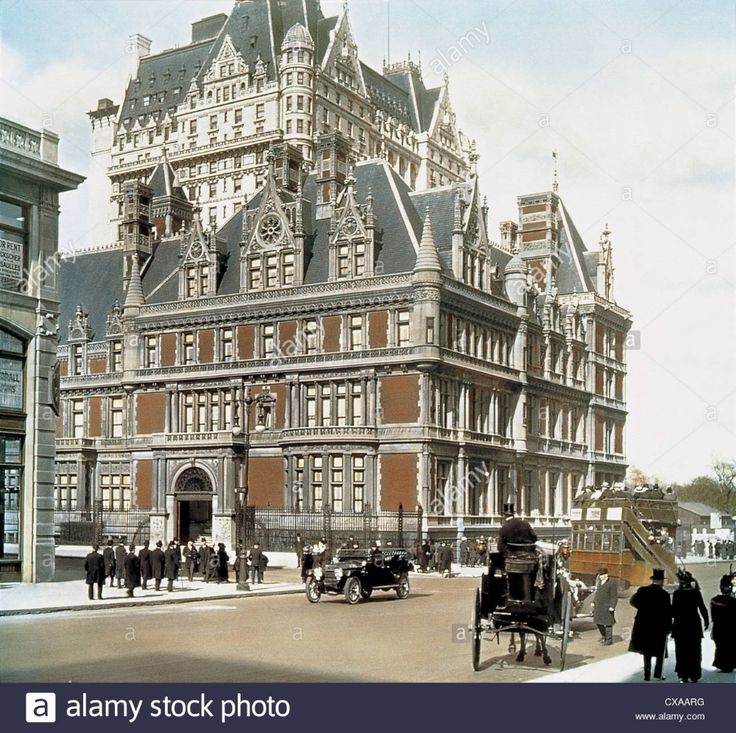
254,560
108,556
514,531
146,570
132,571
120,563
298,549
723,612
446,560
158,564
687,610
204,559
424,555
222,559
171,565
94,567
604,606
191,559
464,552
652,624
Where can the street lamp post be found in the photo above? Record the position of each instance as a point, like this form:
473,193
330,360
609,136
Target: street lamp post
263,402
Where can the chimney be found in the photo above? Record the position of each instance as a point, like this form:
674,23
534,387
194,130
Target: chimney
138,48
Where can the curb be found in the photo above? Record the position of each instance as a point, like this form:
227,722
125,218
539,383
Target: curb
141,603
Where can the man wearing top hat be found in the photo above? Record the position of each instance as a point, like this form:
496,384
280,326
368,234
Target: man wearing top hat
606,597
120,562
146,571
652,624
158,563
171,565
94,567
132,571
108,557
514,531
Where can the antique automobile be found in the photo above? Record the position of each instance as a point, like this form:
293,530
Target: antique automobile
356,573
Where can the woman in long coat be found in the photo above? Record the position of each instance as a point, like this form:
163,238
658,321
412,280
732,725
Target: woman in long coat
222,558
723,611
687,610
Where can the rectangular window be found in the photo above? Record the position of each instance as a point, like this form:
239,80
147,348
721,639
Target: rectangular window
311,405
325,405
151,352
66,488
254,273
403,336
115,488
77,418
356,403
272,271
316,484
116,417
337,478
356,340
430,330
358,481
191,282
116,356
268,339
193,127
341,404
187,350
226,336
77,359
298,485
311,337
187,415
260,110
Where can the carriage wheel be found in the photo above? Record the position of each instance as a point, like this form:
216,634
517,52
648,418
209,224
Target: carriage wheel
476,632
567,606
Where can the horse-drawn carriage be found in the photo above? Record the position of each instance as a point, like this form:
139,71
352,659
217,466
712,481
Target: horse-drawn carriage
522,593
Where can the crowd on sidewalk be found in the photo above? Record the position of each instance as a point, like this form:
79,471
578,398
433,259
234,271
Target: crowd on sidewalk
122,565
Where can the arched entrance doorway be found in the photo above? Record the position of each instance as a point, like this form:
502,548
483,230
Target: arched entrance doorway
193,493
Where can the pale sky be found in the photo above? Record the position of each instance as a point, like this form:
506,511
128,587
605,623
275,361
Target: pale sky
636,97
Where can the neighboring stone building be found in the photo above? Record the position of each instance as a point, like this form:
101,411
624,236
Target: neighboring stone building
268,73
30,183
413,361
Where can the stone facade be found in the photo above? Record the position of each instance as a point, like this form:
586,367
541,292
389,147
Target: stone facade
30,183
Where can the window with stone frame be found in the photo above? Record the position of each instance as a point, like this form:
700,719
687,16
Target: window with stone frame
316,485
329,404
77,427
356,340
116,417
77,359
267,340
337,482
151,351
358,482
187,347
116,356
402,325
115,491
350,260
271,270
227,342
65,487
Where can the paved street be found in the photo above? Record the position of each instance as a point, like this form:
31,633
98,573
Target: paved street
286,639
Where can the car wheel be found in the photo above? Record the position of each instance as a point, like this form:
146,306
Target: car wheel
352,590
365,593
403,590
313,591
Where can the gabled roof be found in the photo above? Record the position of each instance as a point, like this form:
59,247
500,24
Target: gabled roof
573,275
697,507
164,181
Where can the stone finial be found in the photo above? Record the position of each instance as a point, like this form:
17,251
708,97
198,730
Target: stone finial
428,258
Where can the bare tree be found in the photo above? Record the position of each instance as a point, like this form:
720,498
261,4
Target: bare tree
725,472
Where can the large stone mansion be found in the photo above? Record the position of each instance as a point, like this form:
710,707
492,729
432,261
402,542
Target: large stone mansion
287,218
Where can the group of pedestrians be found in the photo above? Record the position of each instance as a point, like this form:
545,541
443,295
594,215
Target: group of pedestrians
684,616
715,549
437,556
131,570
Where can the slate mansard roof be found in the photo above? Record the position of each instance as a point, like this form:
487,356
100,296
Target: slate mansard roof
95,279
257,30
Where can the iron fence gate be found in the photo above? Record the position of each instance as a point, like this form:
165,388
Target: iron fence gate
276,527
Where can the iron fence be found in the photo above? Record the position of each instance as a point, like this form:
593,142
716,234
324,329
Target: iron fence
85,526
276,527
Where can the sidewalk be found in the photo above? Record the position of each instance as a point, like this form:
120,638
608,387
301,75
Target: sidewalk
27,598
629,668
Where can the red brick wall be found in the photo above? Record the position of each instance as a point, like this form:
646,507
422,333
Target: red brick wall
266,480
331,328
94,416
600,432
287,338
399,397
60,420
599,378
618,433
377,329
97,366
150,412
246,341
599,332
619,386
282,395
63,367
206,346
399,481
144,484
168,349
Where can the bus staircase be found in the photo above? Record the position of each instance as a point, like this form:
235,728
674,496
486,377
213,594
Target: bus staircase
655,556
